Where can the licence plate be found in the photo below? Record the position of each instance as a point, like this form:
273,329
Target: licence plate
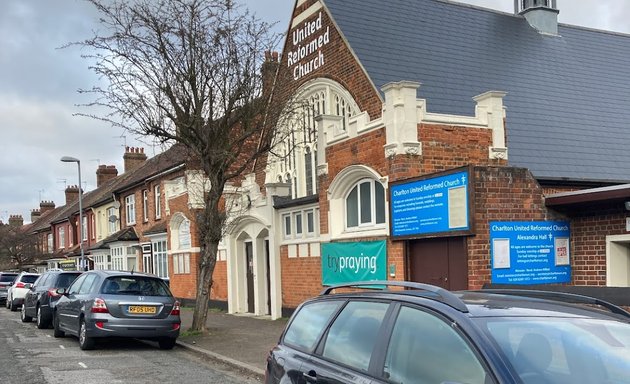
141,309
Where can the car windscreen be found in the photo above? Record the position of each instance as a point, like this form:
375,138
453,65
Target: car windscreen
7,278
65,279
135,285
564,350
29,278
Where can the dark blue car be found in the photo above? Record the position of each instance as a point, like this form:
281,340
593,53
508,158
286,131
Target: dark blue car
419,333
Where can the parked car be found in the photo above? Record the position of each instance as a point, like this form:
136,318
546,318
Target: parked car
6,279
101,304
17,290
43,296
425,334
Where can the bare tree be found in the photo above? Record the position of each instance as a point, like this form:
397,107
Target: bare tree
18,247
189,72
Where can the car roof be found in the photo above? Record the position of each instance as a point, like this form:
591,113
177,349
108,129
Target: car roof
112,273
488,303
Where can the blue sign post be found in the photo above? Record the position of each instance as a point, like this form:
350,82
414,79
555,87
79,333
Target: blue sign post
352,262
429,206
530,252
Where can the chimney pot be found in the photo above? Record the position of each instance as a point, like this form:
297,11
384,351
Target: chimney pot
134,158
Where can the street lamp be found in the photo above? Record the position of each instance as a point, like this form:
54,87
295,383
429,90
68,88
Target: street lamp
68,159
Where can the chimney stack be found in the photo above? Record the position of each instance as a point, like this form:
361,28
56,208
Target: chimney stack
16,221
35,214
134,158
542,15
46,206
104,173
72,194
268,70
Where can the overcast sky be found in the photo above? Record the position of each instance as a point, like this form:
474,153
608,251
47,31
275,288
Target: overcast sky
39,82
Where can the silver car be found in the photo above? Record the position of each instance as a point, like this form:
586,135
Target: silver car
101,304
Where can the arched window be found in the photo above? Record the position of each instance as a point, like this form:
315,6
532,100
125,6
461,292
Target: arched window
296,153
183,234
365,204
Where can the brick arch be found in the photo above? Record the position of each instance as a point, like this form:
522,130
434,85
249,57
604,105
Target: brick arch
349,176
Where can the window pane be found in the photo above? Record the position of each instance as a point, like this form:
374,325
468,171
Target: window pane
308,324
425,349
366,202
298,223
379,198
310,222
308,173
287,225
352,208
353,334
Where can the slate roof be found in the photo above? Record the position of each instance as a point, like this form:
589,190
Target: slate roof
568,101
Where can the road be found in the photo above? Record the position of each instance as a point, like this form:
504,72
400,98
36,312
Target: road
32,356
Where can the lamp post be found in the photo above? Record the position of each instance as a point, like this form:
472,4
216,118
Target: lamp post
68,159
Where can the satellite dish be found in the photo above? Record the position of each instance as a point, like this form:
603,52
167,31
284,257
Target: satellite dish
113,218
116,204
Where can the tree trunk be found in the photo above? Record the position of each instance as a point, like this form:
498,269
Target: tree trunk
204,285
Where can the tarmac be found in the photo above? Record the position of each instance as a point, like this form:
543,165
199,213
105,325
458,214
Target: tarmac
241,341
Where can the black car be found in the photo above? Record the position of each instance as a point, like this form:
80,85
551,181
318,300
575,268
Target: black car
6,279
42,296
424,334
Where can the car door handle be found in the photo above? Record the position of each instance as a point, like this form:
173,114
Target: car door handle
310,376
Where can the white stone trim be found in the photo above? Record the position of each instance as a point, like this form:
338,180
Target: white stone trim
310,11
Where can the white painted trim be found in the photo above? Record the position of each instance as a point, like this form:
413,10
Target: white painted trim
310,11
609,240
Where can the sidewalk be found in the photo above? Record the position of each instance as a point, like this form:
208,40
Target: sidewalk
241,341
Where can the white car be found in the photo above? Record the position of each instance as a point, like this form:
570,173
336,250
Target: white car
17,291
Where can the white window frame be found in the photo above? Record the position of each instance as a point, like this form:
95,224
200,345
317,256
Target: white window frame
111,225
160,258
130,209
61,233
49,243
145,205
290,223
373,213
84,227
181,263
93,227
157,195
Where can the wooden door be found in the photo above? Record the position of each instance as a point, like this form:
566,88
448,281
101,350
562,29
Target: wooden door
440,261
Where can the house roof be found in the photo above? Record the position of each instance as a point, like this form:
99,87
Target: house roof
175,156
568,96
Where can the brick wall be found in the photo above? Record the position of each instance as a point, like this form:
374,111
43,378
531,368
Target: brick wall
501,194
301,278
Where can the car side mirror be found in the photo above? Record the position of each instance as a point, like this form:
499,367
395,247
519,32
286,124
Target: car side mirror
61,291
28,286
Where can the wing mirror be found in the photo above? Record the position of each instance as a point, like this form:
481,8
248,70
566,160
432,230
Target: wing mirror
61,291
28,286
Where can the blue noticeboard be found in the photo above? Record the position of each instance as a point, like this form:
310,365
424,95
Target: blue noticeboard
530,252
422,207
352,262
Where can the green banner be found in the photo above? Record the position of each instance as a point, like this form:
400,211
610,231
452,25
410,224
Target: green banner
351,262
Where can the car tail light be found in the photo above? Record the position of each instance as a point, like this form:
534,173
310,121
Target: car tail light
19,284
176,309
53,293
176,326
100,324
98,306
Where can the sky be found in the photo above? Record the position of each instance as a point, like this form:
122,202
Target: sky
39,98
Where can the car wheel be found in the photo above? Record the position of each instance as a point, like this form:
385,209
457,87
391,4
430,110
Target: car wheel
57,330
23,317
85,342
7,303
39,318
166,343
13,307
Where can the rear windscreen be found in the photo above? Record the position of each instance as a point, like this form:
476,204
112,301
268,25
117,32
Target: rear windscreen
29,278
135,285
7,278
65,279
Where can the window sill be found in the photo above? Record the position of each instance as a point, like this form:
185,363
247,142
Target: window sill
360,232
